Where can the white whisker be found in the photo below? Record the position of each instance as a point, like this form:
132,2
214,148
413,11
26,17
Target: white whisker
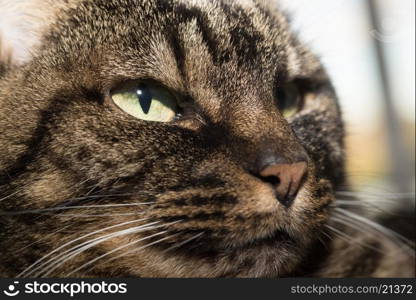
340,234
25,272
95,215
141,248
44,238
34,211
184,242
400,240
10,195
102,196
350,238
74,251
369,195
357,203
114,250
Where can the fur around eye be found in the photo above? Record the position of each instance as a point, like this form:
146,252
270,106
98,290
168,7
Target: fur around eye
146,101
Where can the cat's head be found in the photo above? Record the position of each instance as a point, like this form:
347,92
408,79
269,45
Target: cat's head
168,138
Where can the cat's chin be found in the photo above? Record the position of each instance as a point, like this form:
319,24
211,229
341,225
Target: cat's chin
270,257
277,254
275,239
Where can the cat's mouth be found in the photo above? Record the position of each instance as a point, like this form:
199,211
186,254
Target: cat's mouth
277,237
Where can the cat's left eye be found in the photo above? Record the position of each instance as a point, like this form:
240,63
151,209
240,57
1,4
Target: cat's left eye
146,101
289,99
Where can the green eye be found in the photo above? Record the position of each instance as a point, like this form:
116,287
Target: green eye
289,100
146,101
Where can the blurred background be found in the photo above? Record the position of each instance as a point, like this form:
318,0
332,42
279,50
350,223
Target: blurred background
368,48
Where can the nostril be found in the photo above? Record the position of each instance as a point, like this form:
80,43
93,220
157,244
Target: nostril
286,179
273,180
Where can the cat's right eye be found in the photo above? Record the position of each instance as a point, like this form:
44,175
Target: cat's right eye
289,99
146,101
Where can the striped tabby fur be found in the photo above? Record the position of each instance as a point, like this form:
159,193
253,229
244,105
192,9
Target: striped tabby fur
87,190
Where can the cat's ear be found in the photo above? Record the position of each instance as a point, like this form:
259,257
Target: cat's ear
22,23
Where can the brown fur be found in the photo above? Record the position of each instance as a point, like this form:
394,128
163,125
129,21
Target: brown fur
64,143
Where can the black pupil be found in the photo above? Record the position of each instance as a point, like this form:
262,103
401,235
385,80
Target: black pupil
145,98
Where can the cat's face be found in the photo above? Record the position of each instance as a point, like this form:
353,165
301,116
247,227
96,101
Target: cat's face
220,180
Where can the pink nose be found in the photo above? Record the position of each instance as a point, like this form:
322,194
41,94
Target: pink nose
286,178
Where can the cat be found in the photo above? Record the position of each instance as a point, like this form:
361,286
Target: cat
174,138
